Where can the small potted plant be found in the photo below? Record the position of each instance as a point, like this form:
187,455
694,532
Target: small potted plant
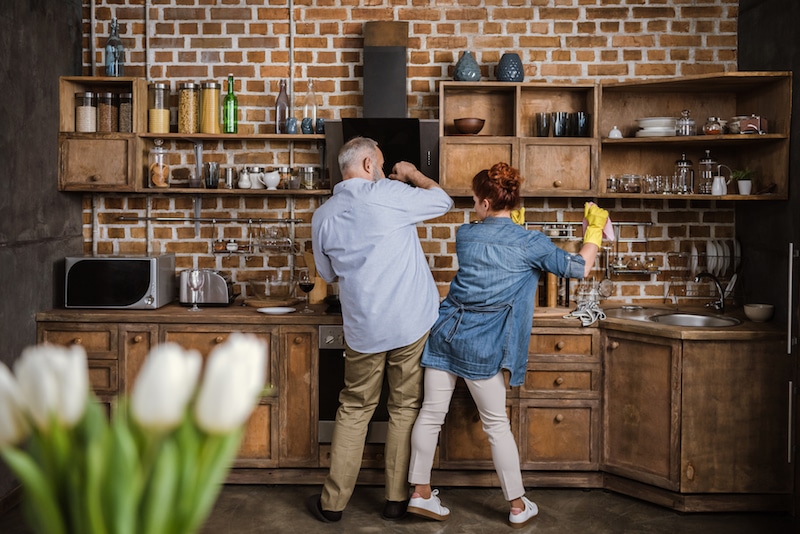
744,180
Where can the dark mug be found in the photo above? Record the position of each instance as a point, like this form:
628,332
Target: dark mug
542,123
580,124
307,125
291,125
560,123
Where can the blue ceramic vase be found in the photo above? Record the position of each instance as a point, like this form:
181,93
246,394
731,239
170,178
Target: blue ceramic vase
510,68
467,69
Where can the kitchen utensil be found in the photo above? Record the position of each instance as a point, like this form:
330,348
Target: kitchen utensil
759,313
211,174
271,179
693,260
731,285
542,123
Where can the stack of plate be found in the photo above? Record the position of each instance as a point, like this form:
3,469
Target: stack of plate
656,126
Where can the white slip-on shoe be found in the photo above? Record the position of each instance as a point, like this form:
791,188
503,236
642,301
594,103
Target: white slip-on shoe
521,519
431,508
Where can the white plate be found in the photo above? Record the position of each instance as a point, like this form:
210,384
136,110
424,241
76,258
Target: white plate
693,261
656,122
737,254
726,255
649,133
711,257
276,310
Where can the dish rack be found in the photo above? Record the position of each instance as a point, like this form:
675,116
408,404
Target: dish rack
683,267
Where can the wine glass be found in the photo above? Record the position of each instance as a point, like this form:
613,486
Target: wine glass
196,281
306,284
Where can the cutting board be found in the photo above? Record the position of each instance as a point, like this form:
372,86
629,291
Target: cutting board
270,303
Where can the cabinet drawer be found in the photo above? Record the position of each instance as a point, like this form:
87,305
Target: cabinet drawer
561,380
560,434
104,376
95,164
99,340
555,169
560,343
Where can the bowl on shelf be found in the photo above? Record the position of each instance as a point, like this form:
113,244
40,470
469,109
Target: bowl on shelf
759,313
469,125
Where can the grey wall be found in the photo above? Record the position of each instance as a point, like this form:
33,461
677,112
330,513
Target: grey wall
40,40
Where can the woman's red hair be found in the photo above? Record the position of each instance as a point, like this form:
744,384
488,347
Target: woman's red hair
499,185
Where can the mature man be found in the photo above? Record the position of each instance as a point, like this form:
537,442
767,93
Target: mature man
366,235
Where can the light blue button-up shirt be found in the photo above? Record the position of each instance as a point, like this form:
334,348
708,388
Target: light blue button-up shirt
366,235
484,324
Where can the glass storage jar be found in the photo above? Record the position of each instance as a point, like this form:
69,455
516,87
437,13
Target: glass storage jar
157,108
85,112
107,112
685,125
712,126
158,168
188,108
125,112
209,108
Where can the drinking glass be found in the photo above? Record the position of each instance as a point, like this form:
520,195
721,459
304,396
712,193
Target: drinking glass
306,284
542,124
196,281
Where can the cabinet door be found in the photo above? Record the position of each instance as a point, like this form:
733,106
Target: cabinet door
135,342
734,423
100,342
555,169
560,434
298,397
641,409
461,159
100,163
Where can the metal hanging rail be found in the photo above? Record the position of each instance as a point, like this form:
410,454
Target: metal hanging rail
213,220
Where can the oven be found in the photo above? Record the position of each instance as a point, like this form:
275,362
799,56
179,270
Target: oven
331,382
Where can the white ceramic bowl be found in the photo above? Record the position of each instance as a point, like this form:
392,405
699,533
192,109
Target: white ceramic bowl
759,313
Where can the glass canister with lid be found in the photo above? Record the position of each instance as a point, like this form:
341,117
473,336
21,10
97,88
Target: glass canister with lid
85,112
158,108
125,112
158,168
107,112
188,108
209,108
685,125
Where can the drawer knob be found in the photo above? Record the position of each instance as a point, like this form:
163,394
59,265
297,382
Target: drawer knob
613,345
219,339
690,472
94,178
138,338
559,380
77,341
557,183
560,345
298,340
559,418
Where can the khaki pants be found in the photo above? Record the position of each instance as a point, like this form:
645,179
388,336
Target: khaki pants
362,389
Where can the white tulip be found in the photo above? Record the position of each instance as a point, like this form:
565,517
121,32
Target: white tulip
233,380
13,425
54,382
164,386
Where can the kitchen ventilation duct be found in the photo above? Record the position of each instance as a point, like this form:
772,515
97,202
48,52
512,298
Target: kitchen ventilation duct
385,45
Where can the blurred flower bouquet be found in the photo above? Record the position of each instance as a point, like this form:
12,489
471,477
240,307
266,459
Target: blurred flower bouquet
156,467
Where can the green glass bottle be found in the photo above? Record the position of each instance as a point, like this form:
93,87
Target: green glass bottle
230,110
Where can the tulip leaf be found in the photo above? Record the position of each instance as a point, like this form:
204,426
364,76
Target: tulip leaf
45,513
188,439
123,487
159,493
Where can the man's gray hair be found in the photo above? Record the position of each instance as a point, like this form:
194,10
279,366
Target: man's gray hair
355,150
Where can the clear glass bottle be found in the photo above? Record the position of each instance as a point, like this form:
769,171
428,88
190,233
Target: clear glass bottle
708,168
115,52
157,108
309,110
230,110
281,109
685,125
209,107
188,108
158,168
85,112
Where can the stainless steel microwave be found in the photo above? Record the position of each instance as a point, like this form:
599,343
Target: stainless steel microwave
131,282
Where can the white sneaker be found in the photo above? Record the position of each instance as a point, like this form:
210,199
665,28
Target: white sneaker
431,508
521,519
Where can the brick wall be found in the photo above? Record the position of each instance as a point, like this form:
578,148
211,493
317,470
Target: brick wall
560,41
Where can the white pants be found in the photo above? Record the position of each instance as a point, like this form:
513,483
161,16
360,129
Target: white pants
490,398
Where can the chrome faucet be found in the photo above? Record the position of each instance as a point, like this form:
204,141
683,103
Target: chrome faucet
718,305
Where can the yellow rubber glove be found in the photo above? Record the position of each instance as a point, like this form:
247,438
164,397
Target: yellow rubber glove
518,216
596,217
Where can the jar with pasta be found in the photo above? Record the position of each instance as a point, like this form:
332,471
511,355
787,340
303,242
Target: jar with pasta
158,168
188,106
85,112
209,108
158,108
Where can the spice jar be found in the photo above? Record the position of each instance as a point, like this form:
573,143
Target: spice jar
125,122
157,108
712,126
308,177
107,113
209,107
85,112
188,106
158,168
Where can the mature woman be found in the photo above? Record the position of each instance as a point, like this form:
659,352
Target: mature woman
484,326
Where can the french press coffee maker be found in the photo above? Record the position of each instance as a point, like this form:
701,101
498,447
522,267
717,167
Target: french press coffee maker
683,183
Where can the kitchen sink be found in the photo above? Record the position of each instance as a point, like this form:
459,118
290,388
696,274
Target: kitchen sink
694,319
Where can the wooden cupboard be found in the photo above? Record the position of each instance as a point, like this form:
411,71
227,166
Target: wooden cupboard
705,420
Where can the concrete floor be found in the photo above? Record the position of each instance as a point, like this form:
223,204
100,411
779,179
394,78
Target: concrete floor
250,509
